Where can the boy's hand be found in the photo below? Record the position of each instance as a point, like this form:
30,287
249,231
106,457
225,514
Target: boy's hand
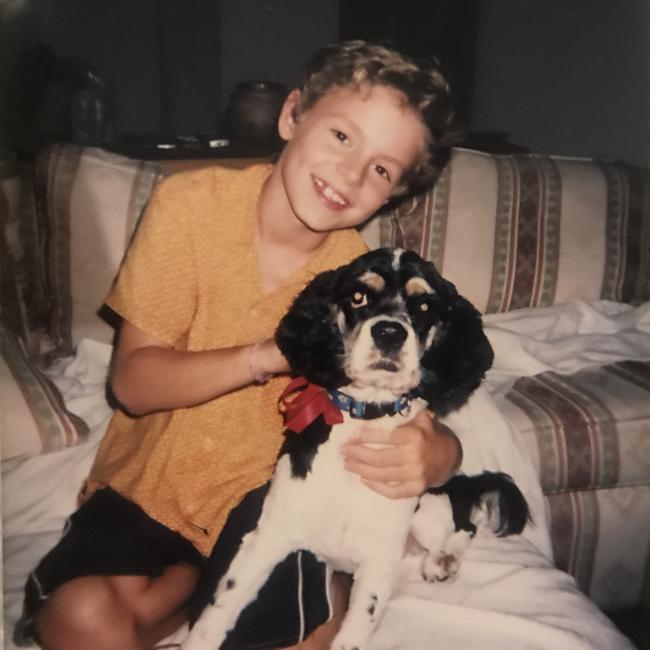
413,456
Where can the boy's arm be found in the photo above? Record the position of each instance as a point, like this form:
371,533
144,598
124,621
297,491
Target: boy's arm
149,375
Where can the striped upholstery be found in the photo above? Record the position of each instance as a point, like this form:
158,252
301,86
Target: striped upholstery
529,230
21,287
587,430
33,415
588,435
517,231
602,538
88,202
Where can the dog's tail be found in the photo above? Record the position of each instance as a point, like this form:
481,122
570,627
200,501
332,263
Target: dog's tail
490,495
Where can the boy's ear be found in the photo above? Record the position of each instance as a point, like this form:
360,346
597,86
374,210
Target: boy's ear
288,115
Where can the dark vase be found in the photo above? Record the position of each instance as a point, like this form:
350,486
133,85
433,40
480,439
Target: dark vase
252,113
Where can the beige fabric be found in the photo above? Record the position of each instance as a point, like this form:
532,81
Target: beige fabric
468,250
87,203
106,198
33,417
587,528
21,290
583,221
530,230
587,430
20,435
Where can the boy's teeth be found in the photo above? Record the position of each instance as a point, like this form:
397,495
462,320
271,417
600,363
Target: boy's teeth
329,193
333,196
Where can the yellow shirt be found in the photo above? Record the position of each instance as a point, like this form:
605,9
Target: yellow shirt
191,278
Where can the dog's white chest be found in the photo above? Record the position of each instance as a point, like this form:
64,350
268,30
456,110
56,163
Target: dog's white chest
332,512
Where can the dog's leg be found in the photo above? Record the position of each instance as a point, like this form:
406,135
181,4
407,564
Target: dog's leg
433,528
373,584
257,556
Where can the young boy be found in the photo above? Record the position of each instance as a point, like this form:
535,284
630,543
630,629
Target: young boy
216,261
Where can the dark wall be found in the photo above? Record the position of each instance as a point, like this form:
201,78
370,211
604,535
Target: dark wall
171,64
117,37
442,28
188,38
273,39
559,77
566,77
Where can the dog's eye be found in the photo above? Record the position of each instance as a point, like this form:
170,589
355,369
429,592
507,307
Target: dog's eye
424,306
359,299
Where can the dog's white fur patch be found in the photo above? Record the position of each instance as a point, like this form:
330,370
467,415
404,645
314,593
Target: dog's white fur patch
397,256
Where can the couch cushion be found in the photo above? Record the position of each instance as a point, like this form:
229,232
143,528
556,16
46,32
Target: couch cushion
21,289
517,231
587,430
88,202
602,538
33,417
588,436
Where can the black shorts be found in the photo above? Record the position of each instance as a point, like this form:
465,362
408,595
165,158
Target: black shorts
110,535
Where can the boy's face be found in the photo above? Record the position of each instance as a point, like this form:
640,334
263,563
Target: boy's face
346,154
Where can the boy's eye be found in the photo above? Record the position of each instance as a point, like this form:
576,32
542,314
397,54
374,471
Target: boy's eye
383,172
359,299
339,135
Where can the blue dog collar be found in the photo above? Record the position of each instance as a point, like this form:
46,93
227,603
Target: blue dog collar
370,410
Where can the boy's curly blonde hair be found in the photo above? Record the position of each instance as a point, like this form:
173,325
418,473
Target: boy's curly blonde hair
424,87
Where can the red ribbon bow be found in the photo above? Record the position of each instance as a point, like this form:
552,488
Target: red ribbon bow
310,402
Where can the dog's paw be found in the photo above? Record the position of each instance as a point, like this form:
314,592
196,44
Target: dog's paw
439,567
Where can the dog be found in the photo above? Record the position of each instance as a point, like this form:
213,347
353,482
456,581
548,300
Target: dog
378,339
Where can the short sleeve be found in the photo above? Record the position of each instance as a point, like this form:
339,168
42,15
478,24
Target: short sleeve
156,288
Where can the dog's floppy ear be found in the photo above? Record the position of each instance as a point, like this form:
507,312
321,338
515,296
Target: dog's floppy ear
460,355
308,335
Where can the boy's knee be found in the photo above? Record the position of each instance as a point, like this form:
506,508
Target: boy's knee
85,609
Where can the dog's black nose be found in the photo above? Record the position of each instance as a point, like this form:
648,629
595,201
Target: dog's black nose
388,335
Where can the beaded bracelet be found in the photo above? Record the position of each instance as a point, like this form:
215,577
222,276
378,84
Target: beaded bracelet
258,377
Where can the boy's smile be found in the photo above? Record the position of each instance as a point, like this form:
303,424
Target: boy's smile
345,155
330,197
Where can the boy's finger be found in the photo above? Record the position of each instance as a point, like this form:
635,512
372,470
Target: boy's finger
382,457
390,474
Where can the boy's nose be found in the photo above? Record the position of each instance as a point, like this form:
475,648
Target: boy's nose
352,170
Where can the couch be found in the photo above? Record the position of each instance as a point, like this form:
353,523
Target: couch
538,243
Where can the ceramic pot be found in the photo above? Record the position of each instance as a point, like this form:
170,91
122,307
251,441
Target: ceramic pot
253,111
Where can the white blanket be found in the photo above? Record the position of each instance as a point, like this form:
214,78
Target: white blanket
565,338
507,595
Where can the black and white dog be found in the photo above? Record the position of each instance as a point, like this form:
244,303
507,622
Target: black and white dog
381,338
